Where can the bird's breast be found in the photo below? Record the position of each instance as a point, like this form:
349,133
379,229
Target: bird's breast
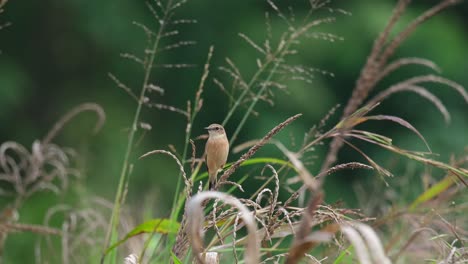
217,150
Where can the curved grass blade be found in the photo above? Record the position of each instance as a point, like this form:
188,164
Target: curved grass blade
158,225
175,259
432,192
356,118
402,122
253,161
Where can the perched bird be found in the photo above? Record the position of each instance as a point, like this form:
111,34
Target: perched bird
217,150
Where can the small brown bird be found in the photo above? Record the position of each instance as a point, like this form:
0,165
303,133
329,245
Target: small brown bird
217,150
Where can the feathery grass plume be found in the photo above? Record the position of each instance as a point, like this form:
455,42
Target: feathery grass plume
164,15
82,229
255,148
273,67
27,172
47,167
378,66
414,84
346,128
195,225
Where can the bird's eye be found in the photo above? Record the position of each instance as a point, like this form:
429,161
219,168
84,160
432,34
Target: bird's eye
217,128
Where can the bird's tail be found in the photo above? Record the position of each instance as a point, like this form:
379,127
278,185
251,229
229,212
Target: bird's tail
212,183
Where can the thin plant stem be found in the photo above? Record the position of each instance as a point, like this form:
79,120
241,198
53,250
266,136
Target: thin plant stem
180,197
177,241
252,105
246,90
111,233
276,56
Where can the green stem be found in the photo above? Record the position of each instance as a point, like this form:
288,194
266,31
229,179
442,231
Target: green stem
259,93
119,198
244,93
179,198
277,57
252,105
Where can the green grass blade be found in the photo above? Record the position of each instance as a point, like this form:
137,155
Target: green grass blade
254,161
175,259
158,225
432,192
344,255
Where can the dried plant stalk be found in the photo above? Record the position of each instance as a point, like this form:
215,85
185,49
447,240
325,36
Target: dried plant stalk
255,148
301,244
71,114
195,224
377,65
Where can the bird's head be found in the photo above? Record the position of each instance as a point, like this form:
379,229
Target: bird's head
215,130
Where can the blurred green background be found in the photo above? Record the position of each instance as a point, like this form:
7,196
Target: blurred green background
57,54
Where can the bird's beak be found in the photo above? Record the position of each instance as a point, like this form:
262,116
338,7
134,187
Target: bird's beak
207,128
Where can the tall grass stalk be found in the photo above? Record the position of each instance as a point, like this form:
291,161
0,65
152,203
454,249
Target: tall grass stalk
179,197
254,102
277,57
112,232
